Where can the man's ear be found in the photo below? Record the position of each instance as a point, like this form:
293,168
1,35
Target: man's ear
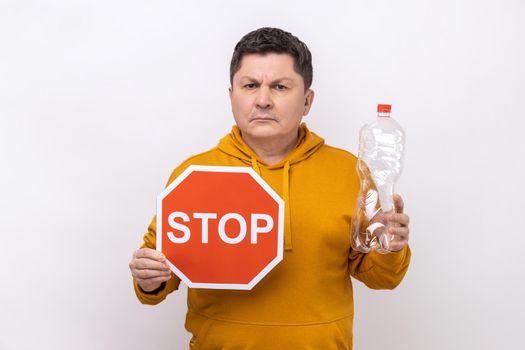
308,100
230,92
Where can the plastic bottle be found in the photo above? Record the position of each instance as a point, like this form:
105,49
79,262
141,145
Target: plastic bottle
381,148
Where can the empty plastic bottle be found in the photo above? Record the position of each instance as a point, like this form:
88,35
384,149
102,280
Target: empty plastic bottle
381,148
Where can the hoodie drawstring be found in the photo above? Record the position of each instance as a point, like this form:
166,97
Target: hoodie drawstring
287,211
308,143
255,166
286,199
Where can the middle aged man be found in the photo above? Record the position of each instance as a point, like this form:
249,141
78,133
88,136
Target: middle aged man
306,301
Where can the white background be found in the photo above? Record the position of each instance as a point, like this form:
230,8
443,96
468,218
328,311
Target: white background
100,100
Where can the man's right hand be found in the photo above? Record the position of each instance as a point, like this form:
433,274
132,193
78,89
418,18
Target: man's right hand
149,268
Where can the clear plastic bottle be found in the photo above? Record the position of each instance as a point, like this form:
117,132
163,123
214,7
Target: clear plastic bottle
381,148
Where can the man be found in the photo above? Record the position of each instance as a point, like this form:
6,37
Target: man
306,301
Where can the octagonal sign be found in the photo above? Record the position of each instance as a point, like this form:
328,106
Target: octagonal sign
220,227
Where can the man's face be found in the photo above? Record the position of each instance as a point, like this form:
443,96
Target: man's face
268,98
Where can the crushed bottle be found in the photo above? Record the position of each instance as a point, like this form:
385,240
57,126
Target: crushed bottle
380,161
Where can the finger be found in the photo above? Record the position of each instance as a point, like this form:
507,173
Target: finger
149,253
399,232
149,274
397,245
398,242
147,281
399,204
148,264
401,219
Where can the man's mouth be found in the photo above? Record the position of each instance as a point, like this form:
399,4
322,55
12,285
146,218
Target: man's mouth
262,118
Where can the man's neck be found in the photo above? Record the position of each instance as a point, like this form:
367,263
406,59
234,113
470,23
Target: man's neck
272,151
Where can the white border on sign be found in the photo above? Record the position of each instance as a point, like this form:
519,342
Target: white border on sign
224,169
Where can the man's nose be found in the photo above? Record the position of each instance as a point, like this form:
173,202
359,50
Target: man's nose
264,98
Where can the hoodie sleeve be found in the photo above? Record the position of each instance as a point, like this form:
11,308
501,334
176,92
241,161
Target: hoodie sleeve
158,295
379,271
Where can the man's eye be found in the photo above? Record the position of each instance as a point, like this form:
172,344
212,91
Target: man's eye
280,87
250,86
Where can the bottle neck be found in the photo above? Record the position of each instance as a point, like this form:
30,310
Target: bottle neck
383,114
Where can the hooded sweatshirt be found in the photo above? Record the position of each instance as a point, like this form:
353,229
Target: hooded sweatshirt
306,301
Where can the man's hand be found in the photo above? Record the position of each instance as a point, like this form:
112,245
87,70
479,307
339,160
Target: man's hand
398,225
148,267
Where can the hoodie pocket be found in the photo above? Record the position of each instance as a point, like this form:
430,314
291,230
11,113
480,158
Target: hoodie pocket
221,335
197,341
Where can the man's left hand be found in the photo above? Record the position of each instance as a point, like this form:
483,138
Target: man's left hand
398,227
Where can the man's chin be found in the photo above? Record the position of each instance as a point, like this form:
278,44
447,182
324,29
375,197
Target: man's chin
263,131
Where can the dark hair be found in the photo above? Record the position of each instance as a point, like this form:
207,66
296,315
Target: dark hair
274,40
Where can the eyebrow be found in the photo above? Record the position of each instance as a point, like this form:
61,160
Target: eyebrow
278,80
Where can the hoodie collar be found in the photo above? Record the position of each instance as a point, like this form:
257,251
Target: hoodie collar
307,143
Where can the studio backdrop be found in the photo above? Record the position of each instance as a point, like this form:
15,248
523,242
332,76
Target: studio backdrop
101,100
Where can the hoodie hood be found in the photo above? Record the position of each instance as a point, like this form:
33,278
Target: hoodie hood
307,144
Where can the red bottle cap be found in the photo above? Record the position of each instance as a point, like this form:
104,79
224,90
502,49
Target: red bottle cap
384,108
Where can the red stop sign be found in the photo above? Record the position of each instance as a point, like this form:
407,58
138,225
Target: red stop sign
220,227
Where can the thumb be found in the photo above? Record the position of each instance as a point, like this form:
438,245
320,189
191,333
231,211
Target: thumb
399,205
